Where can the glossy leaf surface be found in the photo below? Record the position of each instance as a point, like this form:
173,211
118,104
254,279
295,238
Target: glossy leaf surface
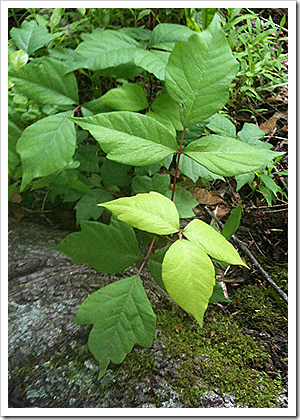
17,59
109,49
193,170
122,316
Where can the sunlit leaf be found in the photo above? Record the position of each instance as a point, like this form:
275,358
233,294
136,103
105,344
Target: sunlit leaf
151,212
212,242
189,277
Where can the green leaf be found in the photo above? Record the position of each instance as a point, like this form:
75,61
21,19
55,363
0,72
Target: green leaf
193,170
218,295
144,184
17,59
199,72
270,184
167,109
222,126
232,222
14,134
137,33
94,107
252,134
243,179
212,242
30,37
56,17
46,83
108,249
112,53
155,265
143,13
268,194
185,202
114,173
122,316
227,156
102,50
86,155
130,138
46,146
152,61
151,212
130,97
207,16
65,183
87,207
189,277
165,35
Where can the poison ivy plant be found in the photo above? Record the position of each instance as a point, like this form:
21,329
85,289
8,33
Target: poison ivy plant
111,154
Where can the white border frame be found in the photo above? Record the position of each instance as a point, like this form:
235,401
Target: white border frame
159,412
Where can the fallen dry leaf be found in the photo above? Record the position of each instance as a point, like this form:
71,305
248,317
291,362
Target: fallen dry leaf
204,196
220,212
269,126
16,198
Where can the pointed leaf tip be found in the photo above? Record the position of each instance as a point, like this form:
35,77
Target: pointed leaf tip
212,242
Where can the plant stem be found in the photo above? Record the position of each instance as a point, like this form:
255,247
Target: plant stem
179,153
154,23
147,256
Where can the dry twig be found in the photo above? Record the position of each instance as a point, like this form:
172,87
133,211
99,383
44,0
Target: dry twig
242,246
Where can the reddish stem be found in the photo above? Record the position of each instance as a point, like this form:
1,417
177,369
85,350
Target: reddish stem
147,256
77,108
177,163
154,23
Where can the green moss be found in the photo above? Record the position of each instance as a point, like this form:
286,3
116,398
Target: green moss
217,356
260,307
138,363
